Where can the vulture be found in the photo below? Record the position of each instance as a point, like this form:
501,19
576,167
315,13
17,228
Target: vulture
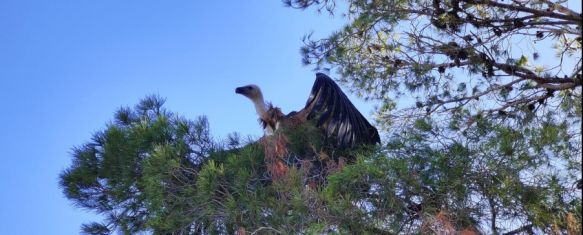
333,112
335,118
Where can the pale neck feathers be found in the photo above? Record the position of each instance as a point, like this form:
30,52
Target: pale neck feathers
260,106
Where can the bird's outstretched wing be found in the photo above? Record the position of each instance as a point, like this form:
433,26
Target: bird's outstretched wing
337,116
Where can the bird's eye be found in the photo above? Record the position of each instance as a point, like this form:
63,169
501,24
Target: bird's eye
250,87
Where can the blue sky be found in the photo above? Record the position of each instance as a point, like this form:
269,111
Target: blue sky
67,65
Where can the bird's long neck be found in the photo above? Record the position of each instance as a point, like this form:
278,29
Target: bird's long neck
260,106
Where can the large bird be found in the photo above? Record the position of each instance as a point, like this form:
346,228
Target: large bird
336,119
333,112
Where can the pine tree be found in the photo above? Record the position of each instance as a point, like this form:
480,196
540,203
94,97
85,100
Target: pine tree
491,144
492,139
153,171
139,171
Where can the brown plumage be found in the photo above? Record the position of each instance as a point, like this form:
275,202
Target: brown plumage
271,117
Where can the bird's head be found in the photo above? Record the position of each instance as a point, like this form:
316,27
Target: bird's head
250,91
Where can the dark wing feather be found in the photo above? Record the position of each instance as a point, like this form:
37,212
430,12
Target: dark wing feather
337,115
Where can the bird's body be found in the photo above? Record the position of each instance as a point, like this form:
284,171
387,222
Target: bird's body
337,124
327,104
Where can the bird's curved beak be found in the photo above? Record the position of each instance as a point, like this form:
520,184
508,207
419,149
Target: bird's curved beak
240,90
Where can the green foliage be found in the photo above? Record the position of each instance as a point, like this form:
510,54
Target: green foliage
137,172
306,137
152,171
492,139
95,228
491,143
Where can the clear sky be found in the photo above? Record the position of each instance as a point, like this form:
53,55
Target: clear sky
67,65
